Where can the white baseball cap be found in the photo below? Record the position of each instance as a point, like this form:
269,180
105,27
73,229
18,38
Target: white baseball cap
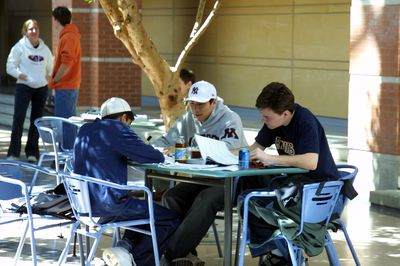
201,91
114,105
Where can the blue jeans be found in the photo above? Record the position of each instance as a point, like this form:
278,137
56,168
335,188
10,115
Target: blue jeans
65,106
23,96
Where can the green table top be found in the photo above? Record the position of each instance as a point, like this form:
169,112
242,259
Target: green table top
221,173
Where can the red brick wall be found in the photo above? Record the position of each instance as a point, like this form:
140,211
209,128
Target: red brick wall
106,67
374,99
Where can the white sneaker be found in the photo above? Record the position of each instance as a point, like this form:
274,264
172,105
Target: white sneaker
32,159
118,256
12,158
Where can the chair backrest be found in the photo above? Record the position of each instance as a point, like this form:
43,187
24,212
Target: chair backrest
318,202
77,190
17,169
347,173
10,190
51,130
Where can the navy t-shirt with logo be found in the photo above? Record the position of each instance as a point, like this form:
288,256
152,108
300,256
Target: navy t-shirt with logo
304,134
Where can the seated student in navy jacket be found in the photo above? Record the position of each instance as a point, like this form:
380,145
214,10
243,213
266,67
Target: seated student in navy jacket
102,150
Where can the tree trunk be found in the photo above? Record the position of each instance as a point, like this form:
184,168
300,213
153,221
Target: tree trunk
126,20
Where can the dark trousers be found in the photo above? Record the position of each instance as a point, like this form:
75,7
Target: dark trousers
140,245
23,96
197,206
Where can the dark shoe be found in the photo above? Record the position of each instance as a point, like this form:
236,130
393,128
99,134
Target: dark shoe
271,259
189,260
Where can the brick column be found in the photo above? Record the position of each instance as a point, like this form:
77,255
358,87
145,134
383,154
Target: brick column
107,69
374,93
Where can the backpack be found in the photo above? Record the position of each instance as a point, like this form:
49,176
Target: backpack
51,202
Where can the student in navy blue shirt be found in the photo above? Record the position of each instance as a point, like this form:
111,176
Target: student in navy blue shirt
300,141
102,150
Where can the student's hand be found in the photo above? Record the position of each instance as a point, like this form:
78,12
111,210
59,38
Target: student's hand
22,77
258,154
169,151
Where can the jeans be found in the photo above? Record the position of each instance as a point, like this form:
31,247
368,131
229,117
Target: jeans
65,106
197,205
23,96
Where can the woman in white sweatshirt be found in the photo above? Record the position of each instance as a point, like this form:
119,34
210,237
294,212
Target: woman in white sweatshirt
30,61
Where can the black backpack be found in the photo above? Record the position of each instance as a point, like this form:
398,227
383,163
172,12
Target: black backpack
52,202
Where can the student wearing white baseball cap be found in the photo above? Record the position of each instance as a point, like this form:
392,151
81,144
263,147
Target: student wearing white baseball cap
115,107
102,150
207,116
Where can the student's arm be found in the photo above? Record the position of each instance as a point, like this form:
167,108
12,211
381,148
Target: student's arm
307,161
62,70
253,146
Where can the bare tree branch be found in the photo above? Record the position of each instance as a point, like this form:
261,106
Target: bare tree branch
144,47
192,42
116,19
199,17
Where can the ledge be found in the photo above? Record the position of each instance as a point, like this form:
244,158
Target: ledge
388,198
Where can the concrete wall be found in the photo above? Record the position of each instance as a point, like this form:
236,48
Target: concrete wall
303,43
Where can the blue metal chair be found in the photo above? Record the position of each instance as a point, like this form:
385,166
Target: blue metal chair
51,131
78,193
348,173
317,207
11,174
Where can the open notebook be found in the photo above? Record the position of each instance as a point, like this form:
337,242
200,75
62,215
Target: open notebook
215,150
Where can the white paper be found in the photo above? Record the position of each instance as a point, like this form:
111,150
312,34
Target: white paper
177,165
215,150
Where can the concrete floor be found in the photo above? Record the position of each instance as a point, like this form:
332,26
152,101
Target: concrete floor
375,232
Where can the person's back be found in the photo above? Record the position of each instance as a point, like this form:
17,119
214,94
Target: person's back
102,150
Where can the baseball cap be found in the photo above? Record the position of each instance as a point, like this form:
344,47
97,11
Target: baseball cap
201,91
114,105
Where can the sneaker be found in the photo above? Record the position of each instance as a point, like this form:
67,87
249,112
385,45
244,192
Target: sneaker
164,261
189,260
118,256
12,158
270,259
32,159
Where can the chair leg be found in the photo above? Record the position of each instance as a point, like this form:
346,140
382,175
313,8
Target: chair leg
64,253
74,249
116,236
237,243
81,252
217,240
33,182
21,245
330,251
94,248
349,243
